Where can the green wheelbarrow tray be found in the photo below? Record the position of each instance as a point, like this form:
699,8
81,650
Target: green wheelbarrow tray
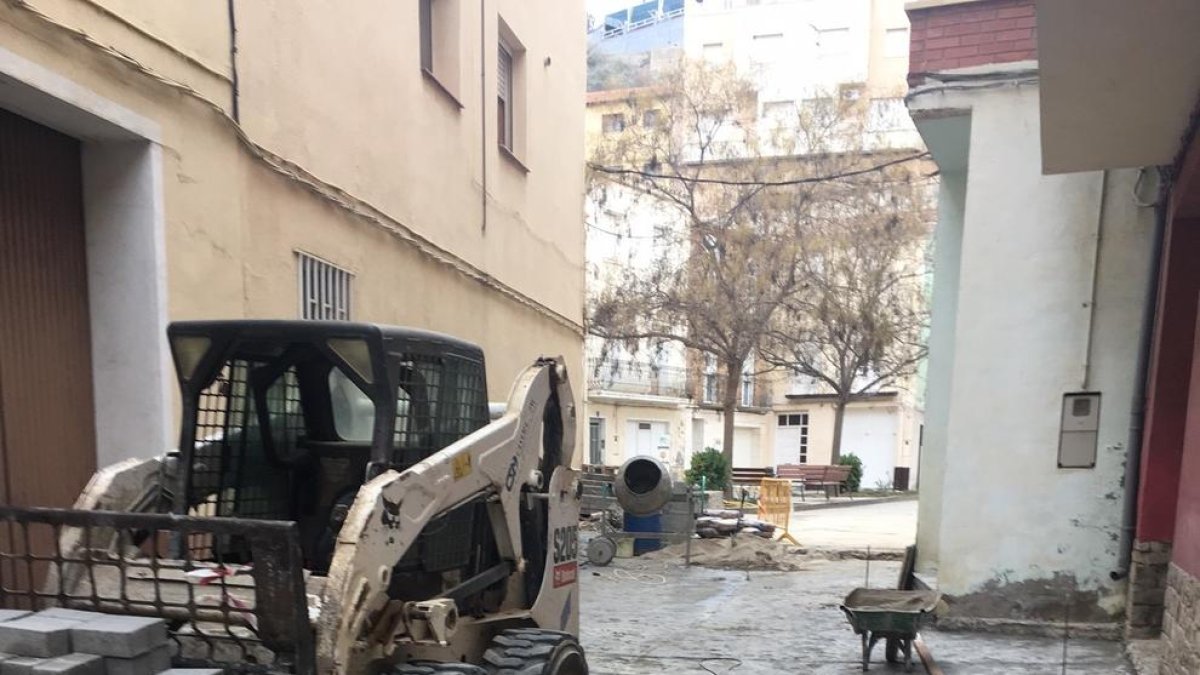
895,616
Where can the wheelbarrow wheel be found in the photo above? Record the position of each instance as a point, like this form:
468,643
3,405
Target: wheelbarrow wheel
892,650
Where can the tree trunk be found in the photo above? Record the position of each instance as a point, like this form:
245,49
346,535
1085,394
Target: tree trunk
839,417
729,404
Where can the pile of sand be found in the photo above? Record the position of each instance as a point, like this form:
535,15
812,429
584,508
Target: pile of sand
743,552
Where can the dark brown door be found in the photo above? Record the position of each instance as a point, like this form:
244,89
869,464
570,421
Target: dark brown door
47,420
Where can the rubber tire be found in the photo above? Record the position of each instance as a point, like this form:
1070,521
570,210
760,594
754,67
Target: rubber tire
601,551
431,668
535,651
892,652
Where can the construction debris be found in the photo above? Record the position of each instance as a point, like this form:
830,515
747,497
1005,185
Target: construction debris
741,552
722,523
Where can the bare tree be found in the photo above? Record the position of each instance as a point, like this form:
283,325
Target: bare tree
857,324
726,254
744,201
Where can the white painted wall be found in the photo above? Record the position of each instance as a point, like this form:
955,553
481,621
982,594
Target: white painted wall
127,299
939,368
1020,326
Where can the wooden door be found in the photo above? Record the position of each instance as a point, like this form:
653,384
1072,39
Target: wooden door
47,418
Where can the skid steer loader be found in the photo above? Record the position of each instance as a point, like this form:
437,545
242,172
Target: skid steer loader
339,504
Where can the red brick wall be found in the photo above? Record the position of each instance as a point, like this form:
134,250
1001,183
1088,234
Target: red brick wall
971,34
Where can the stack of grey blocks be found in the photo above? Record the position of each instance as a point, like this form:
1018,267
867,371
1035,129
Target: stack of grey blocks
60,641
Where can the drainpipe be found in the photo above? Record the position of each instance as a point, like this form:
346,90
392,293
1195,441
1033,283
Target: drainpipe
1137,416
233,70
483,108
1091,325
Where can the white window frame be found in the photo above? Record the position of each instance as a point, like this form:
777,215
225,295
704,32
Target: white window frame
833,43
710,379
607,118
895,42
324,290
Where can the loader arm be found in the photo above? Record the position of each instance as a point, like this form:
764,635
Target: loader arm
390,512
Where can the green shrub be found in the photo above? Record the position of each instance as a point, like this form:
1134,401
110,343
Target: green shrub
711,465
854,481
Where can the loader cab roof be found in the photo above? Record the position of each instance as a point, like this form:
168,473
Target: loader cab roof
394,338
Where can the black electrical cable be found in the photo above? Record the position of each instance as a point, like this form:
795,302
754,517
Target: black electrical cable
754,183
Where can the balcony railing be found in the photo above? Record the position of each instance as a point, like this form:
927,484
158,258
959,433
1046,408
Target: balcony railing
711,392
631,377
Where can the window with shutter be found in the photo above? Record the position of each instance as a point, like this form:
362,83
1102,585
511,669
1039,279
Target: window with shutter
504,96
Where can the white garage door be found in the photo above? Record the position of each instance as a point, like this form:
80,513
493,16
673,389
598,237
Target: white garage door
745,446
871,434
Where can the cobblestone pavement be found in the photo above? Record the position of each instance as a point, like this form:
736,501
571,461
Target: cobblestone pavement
643,617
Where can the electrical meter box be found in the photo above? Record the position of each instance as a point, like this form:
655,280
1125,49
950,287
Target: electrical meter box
1080,431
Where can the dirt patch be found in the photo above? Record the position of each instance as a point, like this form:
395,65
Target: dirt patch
855,554
743,552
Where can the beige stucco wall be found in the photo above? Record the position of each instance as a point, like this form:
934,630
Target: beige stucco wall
321,91
617,416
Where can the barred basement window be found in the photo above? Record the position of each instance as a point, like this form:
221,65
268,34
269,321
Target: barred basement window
324,290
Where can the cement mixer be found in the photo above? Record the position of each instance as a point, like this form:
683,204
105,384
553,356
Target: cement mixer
643,487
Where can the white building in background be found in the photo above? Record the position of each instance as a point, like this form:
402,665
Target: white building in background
661,402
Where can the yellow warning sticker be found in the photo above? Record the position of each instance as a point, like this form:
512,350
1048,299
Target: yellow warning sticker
461,466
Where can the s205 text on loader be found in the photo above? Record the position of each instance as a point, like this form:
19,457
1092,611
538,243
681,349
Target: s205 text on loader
341,503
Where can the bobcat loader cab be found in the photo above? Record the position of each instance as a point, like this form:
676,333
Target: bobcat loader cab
339,504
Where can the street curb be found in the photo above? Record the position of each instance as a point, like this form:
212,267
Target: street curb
817,506
1026,627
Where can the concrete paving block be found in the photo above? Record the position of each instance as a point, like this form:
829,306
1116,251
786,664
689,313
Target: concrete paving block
150,663
10,614
71,664
64,614
117,635
39,636
19,665
193,671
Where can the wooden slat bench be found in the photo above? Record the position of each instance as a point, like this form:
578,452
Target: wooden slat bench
749,478
830,477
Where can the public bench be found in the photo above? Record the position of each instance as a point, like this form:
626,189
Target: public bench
830,478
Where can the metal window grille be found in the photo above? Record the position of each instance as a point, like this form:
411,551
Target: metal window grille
231,474
504,95
324,290
441,399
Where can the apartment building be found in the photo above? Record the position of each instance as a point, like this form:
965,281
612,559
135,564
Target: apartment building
665,401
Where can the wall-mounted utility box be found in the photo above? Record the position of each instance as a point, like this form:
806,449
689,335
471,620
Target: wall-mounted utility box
1080,430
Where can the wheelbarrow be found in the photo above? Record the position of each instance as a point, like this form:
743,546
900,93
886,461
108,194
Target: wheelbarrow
896,616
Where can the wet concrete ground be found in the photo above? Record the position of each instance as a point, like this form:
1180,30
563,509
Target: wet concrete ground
640,617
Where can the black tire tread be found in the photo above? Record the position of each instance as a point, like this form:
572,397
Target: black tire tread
523,651
431,668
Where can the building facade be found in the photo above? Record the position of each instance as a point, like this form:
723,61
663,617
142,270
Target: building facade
798,52
413,163
1062,373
